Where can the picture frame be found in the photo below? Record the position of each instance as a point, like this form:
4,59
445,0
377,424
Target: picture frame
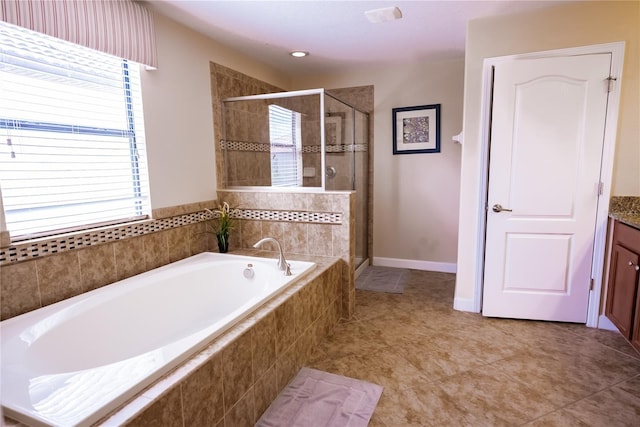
416,129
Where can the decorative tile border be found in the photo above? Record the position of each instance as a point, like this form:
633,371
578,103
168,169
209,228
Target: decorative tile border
41,247
266,147
244,146
289,216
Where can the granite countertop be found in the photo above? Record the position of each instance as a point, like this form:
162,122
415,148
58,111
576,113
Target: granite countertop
626,209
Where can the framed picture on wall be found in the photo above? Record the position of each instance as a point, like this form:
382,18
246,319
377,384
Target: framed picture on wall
416,129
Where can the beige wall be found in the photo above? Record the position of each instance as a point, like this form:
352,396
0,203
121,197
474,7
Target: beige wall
178,112
571,25
415,196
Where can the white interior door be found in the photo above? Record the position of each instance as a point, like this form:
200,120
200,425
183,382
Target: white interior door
548,120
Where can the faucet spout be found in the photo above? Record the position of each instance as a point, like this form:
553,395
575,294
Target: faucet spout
282,262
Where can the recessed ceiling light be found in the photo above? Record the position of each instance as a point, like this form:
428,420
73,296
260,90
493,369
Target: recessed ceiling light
385,14
299,54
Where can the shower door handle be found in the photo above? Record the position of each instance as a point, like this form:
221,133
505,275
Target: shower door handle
330,171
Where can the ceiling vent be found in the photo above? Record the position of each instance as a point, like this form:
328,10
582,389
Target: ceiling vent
385,14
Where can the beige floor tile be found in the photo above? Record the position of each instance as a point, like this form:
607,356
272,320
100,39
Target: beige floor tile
440,360
492,396
441,410
442,367
612,407
558,380
421,406
353,338
612,340
385,367
631,386
488,344
558,418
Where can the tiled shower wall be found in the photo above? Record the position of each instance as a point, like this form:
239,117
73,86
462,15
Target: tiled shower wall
246,138
228,83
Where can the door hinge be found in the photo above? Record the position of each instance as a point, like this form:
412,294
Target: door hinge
600,188
591,285
610,83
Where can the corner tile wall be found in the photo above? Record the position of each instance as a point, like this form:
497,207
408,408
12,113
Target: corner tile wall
228,83
64,271
300,237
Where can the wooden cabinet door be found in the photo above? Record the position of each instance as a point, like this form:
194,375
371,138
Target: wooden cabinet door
635,339
623,280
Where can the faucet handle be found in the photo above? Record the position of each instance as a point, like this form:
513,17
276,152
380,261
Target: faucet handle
287,271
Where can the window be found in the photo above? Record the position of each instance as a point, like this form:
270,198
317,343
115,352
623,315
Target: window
286,147
72,151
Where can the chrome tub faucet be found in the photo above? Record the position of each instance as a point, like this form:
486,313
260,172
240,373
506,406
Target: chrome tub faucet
283,265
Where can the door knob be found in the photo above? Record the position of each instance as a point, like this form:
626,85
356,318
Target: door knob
499,208
637,267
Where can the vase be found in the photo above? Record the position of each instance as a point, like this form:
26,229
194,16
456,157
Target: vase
223,242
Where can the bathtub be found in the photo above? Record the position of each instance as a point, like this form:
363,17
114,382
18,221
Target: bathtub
73,362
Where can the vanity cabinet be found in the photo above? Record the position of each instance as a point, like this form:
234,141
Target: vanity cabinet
623,297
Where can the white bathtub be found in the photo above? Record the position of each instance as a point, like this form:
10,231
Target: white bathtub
71,363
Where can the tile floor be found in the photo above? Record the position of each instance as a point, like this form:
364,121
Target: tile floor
441,367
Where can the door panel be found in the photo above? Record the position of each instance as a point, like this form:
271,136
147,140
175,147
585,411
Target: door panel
547,133
536,148
522,275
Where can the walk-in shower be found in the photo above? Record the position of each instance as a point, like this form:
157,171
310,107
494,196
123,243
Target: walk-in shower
306,140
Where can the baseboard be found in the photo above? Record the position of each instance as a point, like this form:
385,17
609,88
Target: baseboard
443,267
464,304
360,269
605,323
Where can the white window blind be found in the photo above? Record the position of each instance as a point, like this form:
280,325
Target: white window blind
286,147
72,152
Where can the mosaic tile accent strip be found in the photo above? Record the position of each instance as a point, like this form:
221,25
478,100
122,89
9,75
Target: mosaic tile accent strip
346,148
266,147
289,216
30,250
244,146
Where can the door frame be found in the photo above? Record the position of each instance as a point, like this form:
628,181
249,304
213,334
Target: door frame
616,49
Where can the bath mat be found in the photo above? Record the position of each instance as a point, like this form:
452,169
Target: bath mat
320,399
383,279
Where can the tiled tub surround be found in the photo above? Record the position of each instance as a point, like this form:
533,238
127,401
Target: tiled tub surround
113,339
309,237
237,376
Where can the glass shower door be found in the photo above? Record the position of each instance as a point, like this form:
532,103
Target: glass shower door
338,134
347,162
